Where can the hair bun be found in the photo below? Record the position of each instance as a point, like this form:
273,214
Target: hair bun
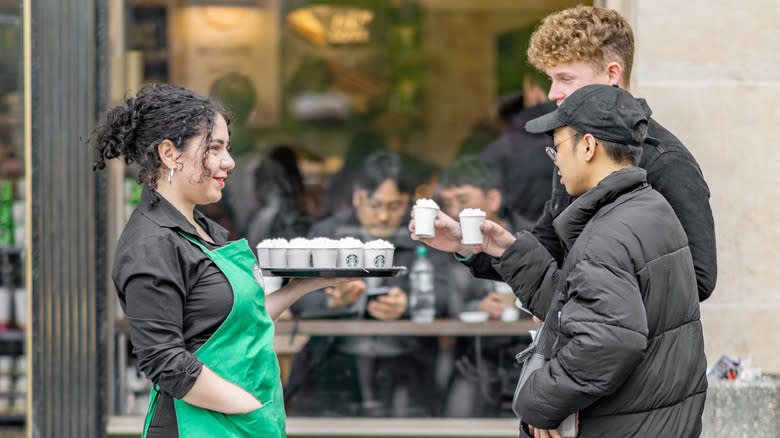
116,135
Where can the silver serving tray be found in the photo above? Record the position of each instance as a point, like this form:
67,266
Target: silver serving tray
395,271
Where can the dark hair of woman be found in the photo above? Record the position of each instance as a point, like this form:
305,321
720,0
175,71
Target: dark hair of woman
135,128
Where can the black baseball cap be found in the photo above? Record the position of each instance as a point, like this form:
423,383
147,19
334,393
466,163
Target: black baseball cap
608,112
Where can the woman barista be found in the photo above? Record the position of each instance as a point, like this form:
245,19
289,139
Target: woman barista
200,323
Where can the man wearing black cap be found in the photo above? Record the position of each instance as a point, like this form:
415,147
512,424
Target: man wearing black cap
622,341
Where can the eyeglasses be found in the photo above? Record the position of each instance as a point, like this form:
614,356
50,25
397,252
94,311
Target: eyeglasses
552,151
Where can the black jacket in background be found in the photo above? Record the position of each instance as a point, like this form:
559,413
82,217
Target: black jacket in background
523,166
625,346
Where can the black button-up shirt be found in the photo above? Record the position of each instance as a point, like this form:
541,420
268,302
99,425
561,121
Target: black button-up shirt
173,295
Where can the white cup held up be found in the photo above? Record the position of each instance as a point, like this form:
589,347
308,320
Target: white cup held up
470,221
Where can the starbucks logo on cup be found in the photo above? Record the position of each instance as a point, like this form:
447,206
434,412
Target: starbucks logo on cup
379,261
352,261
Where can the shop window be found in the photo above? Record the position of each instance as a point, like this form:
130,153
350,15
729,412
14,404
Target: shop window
315,88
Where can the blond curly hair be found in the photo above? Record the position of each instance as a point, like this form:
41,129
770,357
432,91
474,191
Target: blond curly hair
583,34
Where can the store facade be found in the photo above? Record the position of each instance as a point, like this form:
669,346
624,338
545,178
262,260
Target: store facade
333,79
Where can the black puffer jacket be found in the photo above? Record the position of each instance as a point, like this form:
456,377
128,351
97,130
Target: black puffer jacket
625,349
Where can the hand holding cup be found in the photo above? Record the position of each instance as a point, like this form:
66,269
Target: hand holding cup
496,239
447,237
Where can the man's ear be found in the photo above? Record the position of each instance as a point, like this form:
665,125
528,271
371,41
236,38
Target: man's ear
615,73
356,195
494,200
168,153
589,147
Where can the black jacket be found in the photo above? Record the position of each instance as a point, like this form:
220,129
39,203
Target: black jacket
523,166
625,346
672,171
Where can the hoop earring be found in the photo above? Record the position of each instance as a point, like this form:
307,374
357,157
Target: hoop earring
170,177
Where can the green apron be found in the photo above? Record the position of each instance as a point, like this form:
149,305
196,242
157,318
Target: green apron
240,351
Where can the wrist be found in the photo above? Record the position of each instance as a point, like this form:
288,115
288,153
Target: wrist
464,252
502,249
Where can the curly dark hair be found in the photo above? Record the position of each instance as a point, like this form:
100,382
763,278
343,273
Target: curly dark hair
134,128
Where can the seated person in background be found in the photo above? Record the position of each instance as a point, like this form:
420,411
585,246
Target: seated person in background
280,192
379,376
485,372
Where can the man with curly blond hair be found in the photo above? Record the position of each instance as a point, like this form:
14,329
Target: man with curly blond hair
588,45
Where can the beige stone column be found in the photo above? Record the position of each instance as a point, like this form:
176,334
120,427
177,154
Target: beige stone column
710,71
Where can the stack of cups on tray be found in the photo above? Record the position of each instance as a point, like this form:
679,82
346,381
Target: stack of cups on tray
324,253
272,253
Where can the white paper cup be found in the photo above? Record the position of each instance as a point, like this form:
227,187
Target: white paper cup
351,258
324,258
299,258
424,218
469,227
277,257
378,257
263,257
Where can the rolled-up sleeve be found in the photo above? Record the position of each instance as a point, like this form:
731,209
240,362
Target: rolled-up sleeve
150,277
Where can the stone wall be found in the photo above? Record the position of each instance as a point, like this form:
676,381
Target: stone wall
742,409
711,73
